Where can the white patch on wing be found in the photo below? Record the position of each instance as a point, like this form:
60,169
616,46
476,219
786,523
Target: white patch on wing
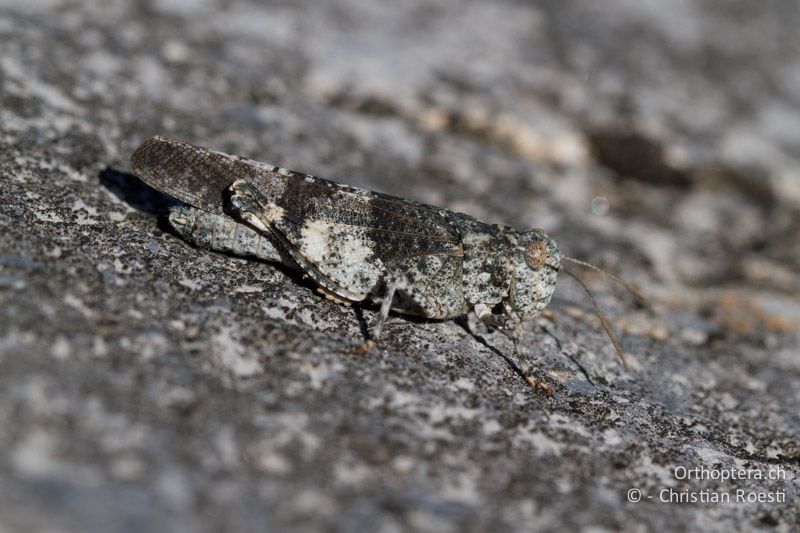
314,242
355,251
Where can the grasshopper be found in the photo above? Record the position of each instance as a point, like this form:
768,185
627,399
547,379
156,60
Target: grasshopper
356,244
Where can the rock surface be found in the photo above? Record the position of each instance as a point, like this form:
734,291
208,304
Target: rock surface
147,385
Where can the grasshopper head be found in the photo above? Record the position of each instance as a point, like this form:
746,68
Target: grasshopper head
537,261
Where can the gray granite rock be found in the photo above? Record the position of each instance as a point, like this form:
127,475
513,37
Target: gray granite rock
146,385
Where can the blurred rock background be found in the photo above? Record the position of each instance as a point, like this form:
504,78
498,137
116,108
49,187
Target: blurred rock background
147,385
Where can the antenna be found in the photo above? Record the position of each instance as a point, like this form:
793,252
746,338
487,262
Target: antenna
599,312
631,288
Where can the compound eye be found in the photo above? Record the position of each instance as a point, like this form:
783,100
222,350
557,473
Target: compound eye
536,254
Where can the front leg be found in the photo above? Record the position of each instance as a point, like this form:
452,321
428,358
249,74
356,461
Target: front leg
510,325
507,321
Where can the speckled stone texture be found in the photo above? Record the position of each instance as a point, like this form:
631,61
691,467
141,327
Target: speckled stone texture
149,386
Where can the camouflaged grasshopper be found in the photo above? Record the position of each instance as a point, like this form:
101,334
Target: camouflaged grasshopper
356,244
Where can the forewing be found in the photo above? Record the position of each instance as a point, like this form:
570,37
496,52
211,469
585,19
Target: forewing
394,227
195,175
